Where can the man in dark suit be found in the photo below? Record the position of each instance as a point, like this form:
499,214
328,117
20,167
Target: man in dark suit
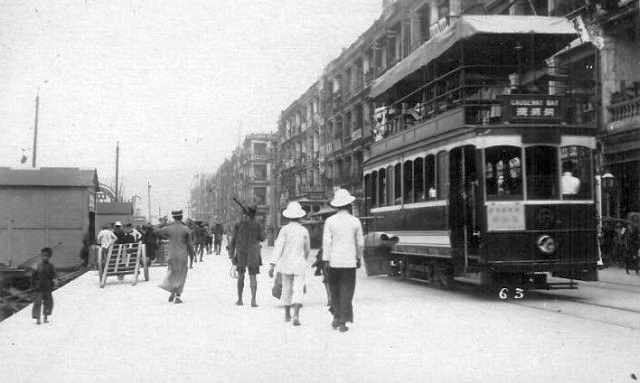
180,247
244,251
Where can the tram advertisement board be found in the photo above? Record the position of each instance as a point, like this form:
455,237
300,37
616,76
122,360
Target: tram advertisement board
532,107
505,216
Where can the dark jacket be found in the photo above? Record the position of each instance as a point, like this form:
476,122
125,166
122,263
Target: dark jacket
43,276
245,242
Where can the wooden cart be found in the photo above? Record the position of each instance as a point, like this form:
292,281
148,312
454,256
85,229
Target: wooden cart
121,260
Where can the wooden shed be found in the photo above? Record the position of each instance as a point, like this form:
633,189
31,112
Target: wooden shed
46,207
112,212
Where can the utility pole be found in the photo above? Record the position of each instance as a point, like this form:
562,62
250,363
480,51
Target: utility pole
149,200
35,132
117,168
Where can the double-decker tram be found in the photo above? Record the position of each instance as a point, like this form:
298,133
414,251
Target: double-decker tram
483,160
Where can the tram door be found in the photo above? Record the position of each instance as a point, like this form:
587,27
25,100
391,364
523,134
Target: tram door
464,205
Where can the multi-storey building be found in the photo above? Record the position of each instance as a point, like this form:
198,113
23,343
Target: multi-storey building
299,161
247,175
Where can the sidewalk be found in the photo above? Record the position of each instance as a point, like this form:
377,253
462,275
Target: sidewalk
618,275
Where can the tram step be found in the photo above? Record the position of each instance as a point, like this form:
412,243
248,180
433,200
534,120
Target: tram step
562,285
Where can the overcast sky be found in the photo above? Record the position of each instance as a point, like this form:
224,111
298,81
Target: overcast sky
172,80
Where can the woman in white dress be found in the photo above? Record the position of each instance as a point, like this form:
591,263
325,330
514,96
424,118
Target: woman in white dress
291,254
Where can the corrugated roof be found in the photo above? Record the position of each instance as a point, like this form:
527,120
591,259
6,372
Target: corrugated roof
120,208
62,177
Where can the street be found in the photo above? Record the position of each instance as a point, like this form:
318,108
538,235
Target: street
404,331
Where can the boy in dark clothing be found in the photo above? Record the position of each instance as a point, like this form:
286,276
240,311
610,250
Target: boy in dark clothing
43,281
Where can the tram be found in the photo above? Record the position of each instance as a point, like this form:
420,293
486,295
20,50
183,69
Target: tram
482,168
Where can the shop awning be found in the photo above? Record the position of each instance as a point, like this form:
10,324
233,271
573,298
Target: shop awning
467,27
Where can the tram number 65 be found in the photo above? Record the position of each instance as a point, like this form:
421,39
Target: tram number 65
504,293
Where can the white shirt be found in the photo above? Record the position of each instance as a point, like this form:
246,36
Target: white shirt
570,184
342,241
292,249
106,238
136,234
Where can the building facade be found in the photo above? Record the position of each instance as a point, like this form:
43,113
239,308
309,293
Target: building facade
246,175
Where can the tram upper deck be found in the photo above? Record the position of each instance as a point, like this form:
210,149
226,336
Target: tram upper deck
482,72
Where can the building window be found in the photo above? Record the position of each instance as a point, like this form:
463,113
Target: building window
260,171
260,195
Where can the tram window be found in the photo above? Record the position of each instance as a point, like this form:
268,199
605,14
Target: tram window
542,172
443,175
367,192
382,187
397,185
576,172
389,192
408,181
503,172
418,180
430,177
374,189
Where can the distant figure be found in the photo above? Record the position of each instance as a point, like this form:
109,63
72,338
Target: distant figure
208,239
84,253
290,254
106,238
180,246
149,240
570,184
120,233
137,236
633,247
218,232
342,249
244,251
43,281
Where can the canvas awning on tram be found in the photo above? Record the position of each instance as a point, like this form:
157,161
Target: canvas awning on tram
467,27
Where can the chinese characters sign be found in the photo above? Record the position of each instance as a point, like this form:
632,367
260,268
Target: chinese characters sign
505,216
525,108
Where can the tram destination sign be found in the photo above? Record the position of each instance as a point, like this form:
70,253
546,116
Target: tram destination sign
532,108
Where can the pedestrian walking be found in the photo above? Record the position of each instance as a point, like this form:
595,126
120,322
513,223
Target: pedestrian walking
290,255
180,246
244,251
218,232
633,246
106,238
43,280
149,240
342,246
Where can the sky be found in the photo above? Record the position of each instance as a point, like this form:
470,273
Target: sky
173,81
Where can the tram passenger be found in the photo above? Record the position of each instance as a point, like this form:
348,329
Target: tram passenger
570,183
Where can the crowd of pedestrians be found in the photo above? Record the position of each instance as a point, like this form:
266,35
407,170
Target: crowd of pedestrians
620,244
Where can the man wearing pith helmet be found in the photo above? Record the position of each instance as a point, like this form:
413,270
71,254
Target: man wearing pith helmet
342,246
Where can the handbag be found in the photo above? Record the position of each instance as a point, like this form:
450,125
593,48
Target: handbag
276,290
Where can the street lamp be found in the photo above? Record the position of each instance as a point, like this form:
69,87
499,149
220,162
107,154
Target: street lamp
608,185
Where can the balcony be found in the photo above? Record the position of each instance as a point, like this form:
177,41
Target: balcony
625,113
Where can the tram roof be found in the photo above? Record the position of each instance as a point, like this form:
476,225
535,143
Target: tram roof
557,32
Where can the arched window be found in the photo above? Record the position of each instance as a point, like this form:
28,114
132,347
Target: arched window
430,177
374,189
389,191
542,172
408,178
418,180
443,175
367,192
397,185
576,172
503,172
382,187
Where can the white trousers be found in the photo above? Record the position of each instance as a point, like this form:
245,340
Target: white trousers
292,289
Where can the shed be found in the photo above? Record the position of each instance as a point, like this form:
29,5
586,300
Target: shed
111,212
46,207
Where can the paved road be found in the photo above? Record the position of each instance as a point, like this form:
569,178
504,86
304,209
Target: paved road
404,332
